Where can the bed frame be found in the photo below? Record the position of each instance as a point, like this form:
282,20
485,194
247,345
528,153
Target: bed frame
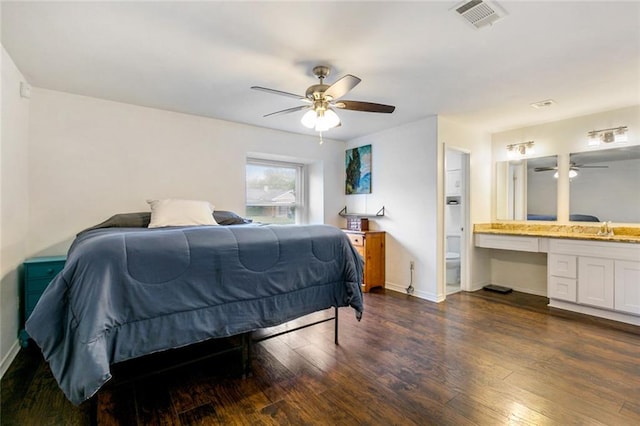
243,347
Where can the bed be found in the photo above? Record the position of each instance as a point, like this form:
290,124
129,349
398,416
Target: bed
126,292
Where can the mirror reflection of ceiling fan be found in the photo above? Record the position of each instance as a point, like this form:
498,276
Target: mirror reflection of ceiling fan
321,101
573,169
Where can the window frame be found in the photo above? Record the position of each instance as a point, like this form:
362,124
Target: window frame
300,189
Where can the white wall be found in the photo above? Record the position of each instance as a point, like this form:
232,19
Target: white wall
91,158
407,179
14,205
404,180
524,271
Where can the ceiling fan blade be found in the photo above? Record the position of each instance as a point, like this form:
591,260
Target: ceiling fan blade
281,93
365,106
288,110
544,169
342,86
593,167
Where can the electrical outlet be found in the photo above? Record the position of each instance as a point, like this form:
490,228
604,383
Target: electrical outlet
412,265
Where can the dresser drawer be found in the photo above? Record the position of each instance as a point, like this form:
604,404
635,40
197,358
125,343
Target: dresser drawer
36,286
356,239
46,270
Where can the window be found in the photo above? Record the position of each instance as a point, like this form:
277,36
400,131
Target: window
274,192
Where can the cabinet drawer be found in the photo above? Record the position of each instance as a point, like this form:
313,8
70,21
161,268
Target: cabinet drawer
507,242
43,270
356,239
36,286
562,265
562,288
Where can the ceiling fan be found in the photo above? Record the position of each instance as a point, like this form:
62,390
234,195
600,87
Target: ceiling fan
321,100
572,166
573,169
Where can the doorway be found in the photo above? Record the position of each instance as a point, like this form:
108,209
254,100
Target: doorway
456,219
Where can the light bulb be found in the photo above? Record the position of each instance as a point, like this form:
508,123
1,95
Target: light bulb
309,119
594,139
555,175
573,173
326,120
530,149
621,135
332,118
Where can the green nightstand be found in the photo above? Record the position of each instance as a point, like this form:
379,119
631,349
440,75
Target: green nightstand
38,273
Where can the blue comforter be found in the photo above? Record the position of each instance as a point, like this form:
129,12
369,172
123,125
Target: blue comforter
128,292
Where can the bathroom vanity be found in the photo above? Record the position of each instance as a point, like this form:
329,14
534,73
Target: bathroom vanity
586,273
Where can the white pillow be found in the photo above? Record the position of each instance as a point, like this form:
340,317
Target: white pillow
173,212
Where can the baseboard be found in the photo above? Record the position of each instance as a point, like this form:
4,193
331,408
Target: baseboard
9,357
596,312
417,293
395,287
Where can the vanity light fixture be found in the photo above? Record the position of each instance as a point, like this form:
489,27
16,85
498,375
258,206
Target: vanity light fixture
520,149
614,134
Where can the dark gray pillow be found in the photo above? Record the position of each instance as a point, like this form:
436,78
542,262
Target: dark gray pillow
142,219
124,220
229,218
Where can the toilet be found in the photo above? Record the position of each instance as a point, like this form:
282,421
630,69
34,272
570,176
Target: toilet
453,259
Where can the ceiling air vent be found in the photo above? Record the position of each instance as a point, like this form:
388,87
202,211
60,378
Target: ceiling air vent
480,13
543,104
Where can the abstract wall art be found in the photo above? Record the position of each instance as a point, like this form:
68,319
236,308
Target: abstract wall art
358,170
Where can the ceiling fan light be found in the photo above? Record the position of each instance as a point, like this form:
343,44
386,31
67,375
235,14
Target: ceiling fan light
331,118
326,120
572,173
321,126
309,119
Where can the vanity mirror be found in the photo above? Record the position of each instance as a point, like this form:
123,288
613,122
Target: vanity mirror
607,185
526,189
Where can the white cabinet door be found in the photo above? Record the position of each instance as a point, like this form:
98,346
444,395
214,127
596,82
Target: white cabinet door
627,287
595,282
453,182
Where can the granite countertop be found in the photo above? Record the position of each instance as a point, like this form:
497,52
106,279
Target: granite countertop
623,234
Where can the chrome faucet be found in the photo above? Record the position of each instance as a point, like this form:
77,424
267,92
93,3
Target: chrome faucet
606,230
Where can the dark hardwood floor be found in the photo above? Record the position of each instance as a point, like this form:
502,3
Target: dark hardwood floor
478,358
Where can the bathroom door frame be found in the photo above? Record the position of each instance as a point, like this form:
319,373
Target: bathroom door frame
465,219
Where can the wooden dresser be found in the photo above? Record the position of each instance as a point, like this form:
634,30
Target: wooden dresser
370,245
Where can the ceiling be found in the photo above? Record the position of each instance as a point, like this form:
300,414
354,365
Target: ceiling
202,58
